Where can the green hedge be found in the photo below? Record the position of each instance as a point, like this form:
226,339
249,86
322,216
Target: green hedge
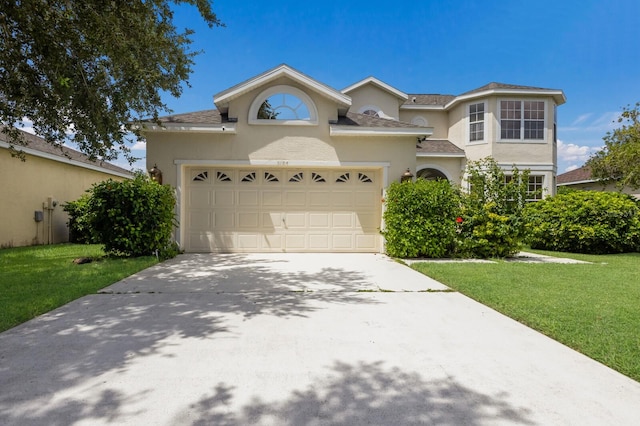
420,219
133,217
584,222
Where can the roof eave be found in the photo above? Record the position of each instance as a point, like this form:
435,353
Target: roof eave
558,95
441,154
65,160
422,107
337,130
577,182
190,128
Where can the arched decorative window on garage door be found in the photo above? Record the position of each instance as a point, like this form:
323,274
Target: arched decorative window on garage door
431,174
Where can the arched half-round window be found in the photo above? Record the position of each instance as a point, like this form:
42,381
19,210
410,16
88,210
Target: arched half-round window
283,105
431,174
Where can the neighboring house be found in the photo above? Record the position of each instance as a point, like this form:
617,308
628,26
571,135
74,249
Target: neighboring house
33,191
287,163
581,179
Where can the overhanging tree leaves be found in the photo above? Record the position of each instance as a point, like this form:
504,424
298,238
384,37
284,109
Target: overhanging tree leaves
619,160
88,67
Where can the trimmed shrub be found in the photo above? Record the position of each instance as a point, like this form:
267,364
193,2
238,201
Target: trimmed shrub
584,222
492,224
79,227
420,218
133,217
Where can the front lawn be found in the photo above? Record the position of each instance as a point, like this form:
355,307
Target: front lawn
593,308
35,280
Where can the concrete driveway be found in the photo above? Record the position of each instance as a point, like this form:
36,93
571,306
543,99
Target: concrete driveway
296,340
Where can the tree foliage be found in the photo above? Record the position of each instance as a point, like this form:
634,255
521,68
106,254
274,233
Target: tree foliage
619,160
88,67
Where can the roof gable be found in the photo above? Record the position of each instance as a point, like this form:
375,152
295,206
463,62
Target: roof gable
378,83
223,98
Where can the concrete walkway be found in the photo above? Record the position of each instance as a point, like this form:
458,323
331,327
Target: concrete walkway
296,340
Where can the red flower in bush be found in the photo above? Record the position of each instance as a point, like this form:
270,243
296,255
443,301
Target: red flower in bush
459,219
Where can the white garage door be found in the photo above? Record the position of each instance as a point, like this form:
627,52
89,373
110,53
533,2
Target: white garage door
276,209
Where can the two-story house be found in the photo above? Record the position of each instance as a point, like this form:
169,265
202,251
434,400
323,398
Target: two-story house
287,163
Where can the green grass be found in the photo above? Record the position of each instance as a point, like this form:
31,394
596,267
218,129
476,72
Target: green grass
593,308
35,280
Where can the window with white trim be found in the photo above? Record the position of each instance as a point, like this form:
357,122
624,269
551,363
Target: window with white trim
283,105
522,120
535,187
476,122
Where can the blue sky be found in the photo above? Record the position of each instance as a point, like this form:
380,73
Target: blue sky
588,48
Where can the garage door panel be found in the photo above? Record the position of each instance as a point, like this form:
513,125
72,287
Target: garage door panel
248,220
366,198
342,220
367,221
319,220
319,198
223,198
224,219
200,198
296,220
269,209
201,219
295,241
295,198
319,242
342,241
272,198
248,198
342,198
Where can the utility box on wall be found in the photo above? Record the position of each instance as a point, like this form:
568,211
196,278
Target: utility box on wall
38,216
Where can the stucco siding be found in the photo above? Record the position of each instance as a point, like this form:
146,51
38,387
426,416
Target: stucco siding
372,95
27,185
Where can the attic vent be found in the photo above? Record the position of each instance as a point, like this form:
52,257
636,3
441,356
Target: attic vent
413,99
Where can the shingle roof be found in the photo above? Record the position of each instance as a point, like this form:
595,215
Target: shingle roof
438,146
429,99
578,175
362,120
38,144
494,85
209,116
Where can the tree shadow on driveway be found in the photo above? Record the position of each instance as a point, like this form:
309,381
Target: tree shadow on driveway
45,361
362,394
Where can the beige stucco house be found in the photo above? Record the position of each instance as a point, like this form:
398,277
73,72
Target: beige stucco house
581,179
287,163
34,191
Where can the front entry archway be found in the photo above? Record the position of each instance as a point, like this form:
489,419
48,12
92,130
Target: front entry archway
431,174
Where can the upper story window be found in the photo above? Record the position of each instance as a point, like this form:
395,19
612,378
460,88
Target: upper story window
522,120
283,105
371,110
476,122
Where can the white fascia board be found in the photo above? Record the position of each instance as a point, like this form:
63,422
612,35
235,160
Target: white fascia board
65,160
441,155
282,163
577,182
381,84
533,167
191,128
223,98
422,107
378,131
557,95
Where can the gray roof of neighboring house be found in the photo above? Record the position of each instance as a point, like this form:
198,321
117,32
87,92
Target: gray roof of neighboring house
438,146
37,143
581,174
209,116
